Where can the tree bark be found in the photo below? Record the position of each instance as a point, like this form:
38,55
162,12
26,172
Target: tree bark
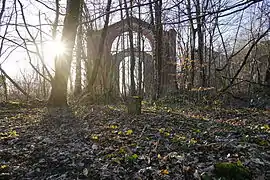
58,96
14,83
200,43
141,60
192,44
79,47
97,59
267,77
152,19
132,54
158,46
2,9
4,85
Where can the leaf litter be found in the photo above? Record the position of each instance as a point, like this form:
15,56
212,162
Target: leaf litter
104,142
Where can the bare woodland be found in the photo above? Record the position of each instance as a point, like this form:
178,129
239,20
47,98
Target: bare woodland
219,45
143,56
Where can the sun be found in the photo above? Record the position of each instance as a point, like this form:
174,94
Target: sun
54,48
51,50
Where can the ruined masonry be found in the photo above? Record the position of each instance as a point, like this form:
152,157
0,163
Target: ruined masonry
109,61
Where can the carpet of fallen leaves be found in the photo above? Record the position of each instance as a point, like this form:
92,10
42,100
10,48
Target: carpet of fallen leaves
104,142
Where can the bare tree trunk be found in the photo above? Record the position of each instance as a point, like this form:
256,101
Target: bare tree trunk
140,60
132,54
54,33
158,45
267,77
42,80
1,46
2,10
4,84
100,49
14,83
152,22
79,47
192,44
58,96
244,62
200,43
5,88
56,19
124,91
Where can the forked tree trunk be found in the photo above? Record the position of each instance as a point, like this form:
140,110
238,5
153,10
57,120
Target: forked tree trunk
58,96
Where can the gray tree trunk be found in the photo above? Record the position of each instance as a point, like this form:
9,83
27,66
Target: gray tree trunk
79,47
158,45
192,44
132,54
58,96
98,59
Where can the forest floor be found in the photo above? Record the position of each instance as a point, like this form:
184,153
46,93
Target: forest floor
104,142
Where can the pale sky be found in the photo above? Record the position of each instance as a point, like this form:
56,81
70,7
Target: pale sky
18,59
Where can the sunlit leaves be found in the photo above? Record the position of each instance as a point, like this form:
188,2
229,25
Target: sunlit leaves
10,134
155,145
133,157
122,150
192,141
94,137
178,137
113,126
129,132
164,171
161,130
197,130
3,166
165,132
265,127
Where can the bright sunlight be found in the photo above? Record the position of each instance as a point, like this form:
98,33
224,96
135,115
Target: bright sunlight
54,48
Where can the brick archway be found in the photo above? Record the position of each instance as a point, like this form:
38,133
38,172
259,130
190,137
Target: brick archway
168,72
148,70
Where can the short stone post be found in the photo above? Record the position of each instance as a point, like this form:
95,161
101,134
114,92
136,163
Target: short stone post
134,105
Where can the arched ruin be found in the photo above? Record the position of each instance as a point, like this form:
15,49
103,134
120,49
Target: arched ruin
168,72
148,70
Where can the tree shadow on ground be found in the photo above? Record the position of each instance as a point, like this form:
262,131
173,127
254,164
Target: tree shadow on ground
97,142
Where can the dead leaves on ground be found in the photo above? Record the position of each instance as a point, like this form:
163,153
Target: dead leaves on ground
105,143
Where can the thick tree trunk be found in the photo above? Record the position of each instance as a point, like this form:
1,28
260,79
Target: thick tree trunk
79,47
58,96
